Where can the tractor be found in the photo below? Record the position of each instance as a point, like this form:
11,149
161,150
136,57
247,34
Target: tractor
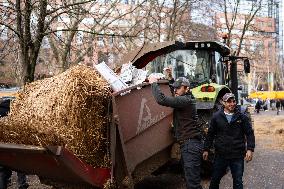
140,139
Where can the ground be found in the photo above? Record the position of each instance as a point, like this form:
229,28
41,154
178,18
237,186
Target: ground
266,171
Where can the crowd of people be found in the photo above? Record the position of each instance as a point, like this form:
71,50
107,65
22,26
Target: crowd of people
269,104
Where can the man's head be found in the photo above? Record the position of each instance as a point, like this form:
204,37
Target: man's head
229,102
181,86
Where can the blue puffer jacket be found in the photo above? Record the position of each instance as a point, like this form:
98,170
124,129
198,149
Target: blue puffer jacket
231,139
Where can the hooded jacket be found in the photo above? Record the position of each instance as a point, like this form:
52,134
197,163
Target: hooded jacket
185,119
231,139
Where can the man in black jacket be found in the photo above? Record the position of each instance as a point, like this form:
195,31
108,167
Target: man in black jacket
187,130
234,142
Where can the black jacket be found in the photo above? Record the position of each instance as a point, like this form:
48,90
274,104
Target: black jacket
4,107
278,104
185,117
231,139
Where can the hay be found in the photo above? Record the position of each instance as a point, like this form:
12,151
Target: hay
69,109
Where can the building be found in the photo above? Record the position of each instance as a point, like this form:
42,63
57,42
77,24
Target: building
104,30
260,42
281,41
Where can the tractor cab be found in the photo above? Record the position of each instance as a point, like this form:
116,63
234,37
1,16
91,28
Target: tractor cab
203,63
200,62
208,65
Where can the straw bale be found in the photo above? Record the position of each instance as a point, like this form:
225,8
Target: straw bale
69,109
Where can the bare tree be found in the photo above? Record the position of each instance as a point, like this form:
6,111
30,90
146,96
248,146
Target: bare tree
235,20
31,21
81,30
96,31
245,35
170,20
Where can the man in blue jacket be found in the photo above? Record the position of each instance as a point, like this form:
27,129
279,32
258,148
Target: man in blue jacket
234,142
188,131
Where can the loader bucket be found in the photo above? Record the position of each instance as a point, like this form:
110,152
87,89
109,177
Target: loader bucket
54,162
144,126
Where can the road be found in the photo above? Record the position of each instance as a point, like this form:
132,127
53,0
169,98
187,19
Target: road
266,171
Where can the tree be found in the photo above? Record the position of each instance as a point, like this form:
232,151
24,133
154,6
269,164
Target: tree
237,20
29,22
77,30
93,32
243,23
114,32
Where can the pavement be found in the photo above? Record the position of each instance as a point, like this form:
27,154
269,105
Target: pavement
266,171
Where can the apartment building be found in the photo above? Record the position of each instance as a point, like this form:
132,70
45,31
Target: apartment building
281,38
260,42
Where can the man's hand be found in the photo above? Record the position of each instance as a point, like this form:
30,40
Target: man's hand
249,155
205,155
152,79
168,73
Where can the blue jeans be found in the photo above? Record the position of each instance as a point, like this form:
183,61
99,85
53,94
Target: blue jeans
22,180
5,178
191,154
5,175
219,169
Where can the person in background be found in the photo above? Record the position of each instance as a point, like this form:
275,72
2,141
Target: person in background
258,105
272,104
187,130
5,173
234,142
278,104
282,104
266,105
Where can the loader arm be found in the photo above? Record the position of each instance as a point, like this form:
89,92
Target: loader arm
54,163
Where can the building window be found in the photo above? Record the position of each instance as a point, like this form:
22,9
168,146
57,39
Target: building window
101,41
111,41
142,13
59,33
234,44
88,21
103,57
90,52
2,63
222,20
4,33
45,43
270,44
162,37
80,37
102,10
125,1
162,14
64,19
